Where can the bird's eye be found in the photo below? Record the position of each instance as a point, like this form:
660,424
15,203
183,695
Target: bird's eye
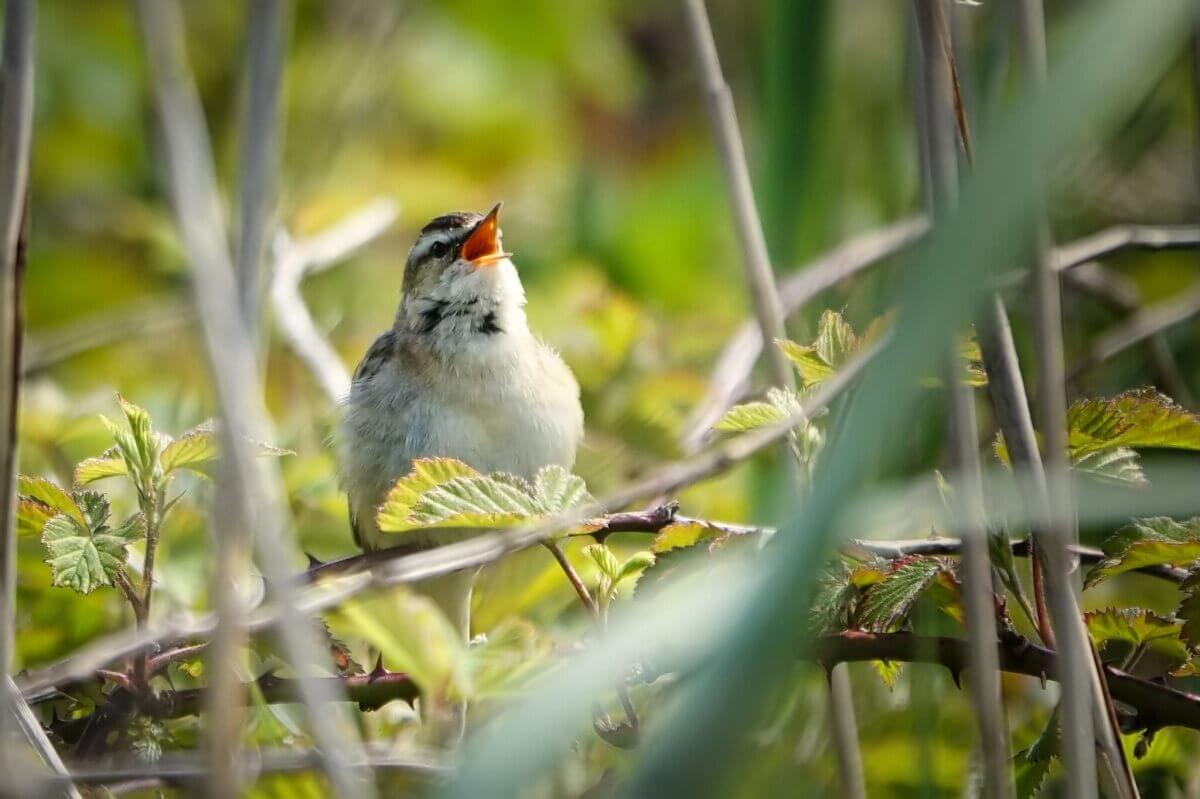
439,249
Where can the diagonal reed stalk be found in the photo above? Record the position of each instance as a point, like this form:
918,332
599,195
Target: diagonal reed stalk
937,86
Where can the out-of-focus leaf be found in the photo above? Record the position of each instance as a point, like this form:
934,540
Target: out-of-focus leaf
604,559
190,450
1120,465
1153,541
888,671
635,564
49,494
32,516
751,416
807,361
197,447
426,646
1137,641
92,469
836,341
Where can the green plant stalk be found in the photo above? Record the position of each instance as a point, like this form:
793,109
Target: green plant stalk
598,610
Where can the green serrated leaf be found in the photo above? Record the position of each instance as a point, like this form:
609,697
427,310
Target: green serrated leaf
833,606
604,559
888,602
80,558
1153,541
49,494
442,492
1142,418
426,473
93,469
1137,641
557,490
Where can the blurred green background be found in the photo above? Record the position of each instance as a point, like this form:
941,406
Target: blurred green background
586,119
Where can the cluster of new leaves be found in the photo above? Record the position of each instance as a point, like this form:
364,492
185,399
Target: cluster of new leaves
1104,434
443,492
614,571
835,345
84,550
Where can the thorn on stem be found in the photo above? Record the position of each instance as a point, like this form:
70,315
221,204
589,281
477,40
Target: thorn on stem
379,670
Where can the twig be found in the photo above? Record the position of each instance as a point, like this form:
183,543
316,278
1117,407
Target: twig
293,261
722,118
253,490
1155,705
1146,323
16,113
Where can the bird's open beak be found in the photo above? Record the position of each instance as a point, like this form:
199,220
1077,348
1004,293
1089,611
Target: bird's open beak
482,247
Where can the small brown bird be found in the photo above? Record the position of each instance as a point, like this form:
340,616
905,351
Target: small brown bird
459,375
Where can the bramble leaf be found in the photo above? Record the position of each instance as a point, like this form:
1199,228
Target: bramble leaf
1137,641
84,557
557,490
1153,541
1141,418
888,602
195,447
604,559
442,492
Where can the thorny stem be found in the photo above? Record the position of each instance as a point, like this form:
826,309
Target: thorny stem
1044,627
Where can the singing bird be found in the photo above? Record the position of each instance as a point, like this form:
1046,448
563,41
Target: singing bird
459,375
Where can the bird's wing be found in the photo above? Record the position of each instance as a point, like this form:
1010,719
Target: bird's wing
380,352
